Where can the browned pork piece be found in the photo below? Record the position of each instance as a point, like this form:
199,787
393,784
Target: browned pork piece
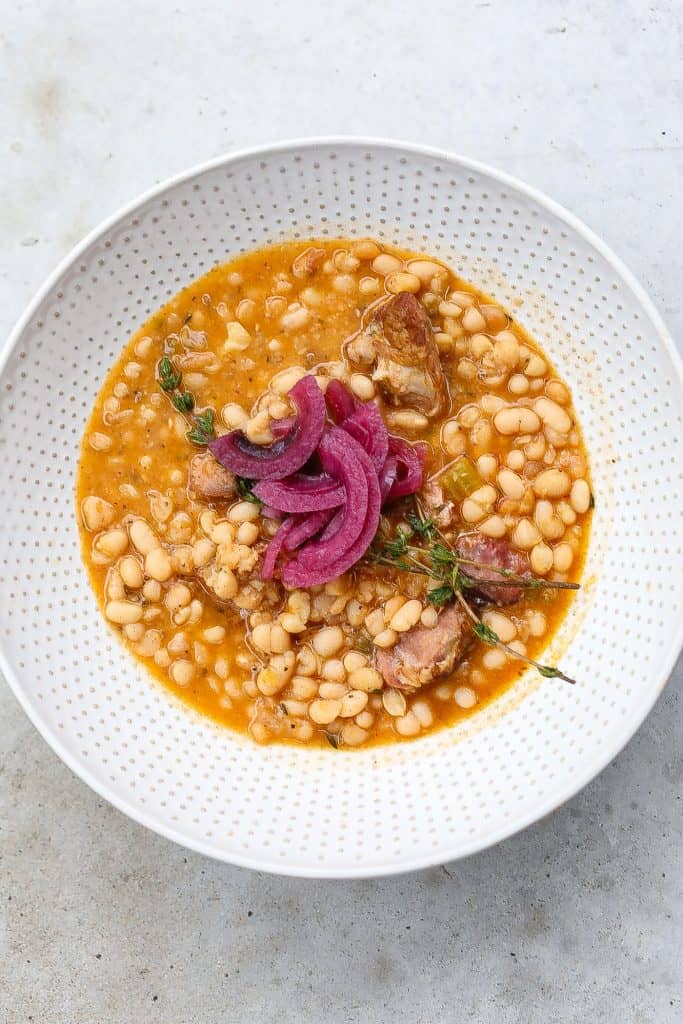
498,554
442,511
208,481
425,655
398,341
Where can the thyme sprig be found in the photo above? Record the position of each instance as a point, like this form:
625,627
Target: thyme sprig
441,563
489,636
201,424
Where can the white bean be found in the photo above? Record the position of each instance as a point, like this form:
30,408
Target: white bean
511,484
407,419
518,384
553,415
131,572
123,612
425,270
158,565
394,703
409,725
504,627
142,536
182,672
516,419
283,382
214,634
473,321
493,660
465,697
541,559
399,281
386,638
580,496
407,616
97,513
506,352
535,366
563,556
385,264
244,512
362,386
323,712
552,483
494,526
366,679
471,512
112,543
328,641
526,534
548,523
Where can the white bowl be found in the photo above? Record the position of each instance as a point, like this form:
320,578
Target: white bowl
389,809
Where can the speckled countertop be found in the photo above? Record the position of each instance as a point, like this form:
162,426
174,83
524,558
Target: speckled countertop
578,918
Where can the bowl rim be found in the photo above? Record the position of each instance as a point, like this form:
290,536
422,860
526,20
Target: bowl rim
630,725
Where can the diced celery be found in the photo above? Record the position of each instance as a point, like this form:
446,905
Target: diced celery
460,479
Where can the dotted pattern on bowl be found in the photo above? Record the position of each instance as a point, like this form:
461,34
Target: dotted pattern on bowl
388,808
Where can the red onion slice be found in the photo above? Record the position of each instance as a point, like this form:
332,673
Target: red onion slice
335,522
280,428
294,531
342,457
409,462
387,476
301,493
330,558
340,401
368,428
286,454
274,548
307,527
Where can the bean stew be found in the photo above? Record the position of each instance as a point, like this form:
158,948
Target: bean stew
332,494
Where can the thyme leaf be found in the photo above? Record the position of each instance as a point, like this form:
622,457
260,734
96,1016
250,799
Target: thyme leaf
201,425
183,401
169,378
244,489
440,595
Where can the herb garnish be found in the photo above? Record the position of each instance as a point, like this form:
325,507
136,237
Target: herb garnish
201,424
203,430
183,401
169,378
244,489
489,636
439,561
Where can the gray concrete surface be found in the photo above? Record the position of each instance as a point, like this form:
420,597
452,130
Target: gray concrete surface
575,920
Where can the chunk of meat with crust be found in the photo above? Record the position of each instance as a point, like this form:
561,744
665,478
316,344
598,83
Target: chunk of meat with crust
208,481
498,553
424,655
307,262
398,339
443,512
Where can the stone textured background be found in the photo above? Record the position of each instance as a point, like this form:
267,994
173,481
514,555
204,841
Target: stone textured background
578,918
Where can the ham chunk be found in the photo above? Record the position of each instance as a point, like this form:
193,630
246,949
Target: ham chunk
423,655
398,342
443,512
208,481
496,553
